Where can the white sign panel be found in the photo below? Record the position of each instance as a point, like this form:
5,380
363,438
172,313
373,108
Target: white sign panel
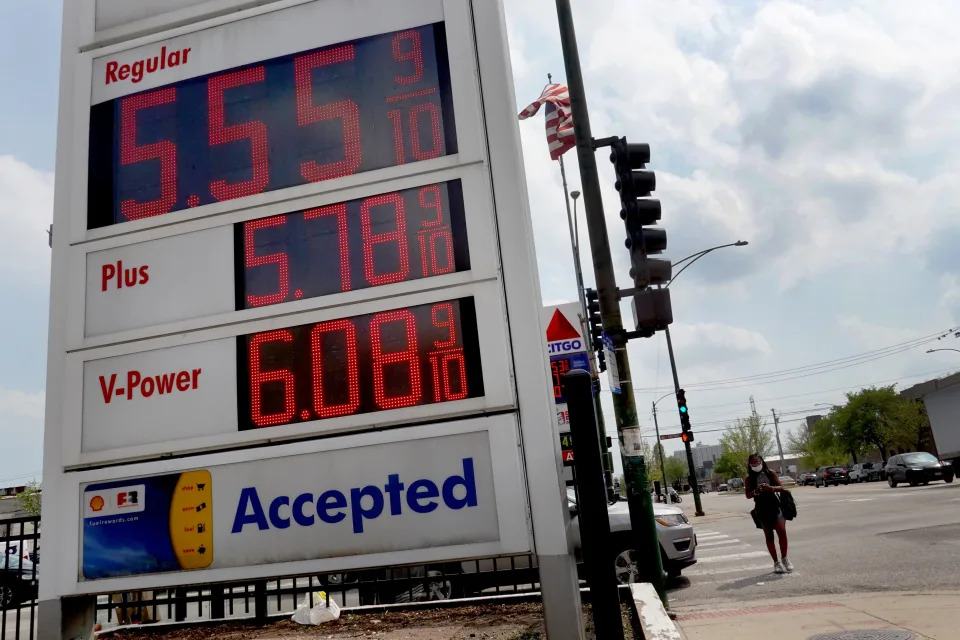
165,280
114,13
414,493
159,396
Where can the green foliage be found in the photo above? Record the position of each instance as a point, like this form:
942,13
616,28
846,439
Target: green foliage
676,469
30,499
744,437
730,465
873,419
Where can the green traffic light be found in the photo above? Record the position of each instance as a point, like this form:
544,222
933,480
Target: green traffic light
683,409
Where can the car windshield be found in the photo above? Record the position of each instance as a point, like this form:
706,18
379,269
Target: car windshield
834,469
917,458
868,465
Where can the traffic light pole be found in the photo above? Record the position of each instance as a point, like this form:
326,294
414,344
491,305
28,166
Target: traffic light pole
624,407
694,485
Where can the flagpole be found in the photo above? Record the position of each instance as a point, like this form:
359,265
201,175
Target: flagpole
575,247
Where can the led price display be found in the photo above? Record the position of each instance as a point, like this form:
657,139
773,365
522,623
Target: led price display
391,237
338,110
561,366
400,358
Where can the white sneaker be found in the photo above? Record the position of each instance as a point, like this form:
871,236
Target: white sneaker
778,567
787,565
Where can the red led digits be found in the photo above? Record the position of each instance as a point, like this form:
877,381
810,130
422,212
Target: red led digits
252,260
258,378
165,151
346,110
435,129
339,210
371,239
430,199
254,130
447,354
396,117
415,55
433,233
349,354
381,360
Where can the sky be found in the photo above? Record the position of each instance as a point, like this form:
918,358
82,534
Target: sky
825,135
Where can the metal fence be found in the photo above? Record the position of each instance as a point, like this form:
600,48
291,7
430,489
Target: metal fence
255,599
262,599
19,573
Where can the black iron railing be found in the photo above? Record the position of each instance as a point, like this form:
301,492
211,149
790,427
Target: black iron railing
261,599
19,575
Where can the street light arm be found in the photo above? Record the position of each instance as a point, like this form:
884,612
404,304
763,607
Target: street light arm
696,256
932,350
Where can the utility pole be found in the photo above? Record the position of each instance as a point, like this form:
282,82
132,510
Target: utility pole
624,407
663,470
776,430
684,419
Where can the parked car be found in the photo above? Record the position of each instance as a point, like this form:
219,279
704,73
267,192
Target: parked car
807,479
865,472
831,475
917,468
722,488
787,481
678,544
18,578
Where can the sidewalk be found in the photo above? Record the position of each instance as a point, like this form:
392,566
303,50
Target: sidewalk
929,616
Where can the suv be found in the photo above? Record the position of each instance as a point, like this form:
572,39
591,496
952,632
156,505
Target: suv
865,472
831,475
917,468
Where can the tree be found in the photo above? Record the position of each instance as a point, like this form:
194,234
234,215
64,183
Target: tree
30,499
729,465
815,444
747,436
676,469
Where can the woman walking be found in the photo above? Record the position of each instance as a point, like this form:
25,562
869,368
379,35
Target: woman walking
761,486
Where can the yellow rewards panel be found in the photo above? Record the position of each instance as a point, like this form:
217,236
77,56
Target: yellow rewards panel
191,520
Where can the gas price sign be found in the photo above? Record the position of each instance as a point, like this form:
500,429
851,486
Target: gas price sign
392,237
401,358
319,114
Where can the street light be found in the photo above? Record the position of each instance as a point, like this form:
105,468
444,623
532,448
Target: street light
932,350
656,427
694,485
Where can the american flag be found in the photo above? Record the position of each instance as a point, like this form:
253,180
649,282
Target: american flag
559,118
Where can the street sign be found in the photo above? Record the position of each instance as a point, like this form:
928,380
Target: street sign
613,374
278,221
670,436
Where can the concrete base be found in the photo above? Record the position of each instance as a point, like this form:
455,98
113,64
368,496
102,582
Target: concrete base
66,618
562,611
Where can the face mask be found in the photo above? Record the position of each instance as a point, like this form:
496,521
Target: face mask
757,468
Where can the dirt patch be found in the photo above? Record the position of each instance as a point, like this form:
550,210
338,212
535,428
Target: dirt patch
520,621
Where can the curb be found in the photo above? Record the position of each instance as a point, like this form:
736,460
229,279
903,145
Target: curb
655,622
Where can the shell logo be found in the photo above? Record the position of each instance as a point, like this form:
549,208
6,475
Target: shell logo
96,503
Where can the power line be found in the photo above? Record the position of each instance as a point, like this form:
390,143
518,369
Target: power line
827,366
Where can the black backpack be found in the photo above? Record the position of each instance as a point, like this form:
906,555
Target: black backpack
788,506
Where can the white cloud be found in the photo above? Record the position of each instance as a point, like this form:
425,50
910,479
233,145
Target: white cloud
19,406
26,210
715,342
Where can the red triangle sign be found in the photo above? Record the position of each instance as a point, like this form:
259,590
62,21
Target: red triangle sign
560,328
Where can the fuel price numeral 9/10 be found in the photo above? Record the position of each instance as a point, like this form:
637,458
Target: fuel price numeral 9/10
390,360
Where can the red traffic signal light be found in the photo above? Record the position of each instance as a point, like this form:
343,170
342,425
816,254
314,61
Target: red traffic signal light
687,436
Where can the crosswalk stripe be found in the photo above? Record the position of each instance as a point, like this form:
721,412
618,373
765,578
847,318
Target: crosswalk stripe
733,556
718,543
712,536
694,570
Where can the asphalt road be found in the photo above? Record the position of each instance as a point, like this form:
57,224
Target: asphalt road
862,537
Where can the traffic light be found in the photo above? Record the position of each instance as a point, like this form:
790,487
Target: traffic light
638,211
684,412
687,437
596,326
652,310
